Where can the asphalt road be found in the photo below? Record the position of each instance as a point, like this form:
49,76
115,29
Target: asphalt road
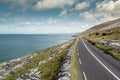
94,64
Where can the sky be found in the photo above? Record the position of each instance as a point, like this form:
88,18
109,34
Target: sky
55,16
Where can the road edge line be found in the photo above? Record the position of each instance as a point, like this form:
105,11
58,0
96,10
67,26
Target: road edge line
100,61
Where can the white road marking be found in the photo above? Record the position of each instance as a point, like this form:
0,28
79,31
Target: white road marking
100,61
84,76
80,61
78,54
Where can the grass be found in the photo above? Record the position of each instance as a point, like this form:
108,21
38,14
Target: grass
105,35
73,70
108,50
109,34
49,69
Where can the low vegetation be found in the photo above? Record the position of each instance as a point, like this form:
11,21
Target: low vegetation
109,34
74,72
50,69
108,50
105,35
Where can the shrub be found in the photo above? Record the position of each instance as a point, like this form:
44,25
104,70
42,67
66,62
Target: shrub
96,33
104,34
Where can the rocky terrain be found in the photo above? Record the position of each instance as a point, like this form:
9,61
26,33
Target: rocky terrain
40,64
11,66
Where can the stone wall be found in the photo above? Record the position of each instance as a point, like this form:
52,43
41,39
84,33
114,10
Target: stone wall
64,73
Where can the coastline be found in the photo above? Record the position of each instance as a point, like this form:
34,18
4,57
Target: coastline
10,66
16,59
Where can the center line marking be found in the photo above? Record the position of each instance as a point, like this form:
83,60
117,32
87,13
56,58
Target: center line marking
84,76
78,54
80,61
100,61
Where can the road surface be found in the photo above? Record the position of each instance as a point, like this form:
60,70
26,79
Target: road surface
94,64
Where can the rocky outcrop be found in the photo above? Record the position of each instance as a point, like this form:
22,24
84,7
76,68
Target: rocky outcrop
34,74
8,67
64,73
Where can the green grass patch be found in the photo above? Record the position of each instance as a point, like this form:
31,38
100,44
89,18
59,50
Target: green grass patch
111,51
105,35
108,50
51,69
73,70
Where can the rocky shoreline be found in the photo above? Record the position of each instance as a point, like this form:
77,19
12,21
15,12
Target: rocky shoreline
11,67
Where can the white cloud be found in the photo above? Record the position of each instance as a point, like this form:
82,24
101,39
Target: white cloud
87,15
109,7
109,10
66,28
50,4
23,19
82,5
78,27
53,21
71,10
19,19
106,18
6,14
19,5
3,20
31,23
63,13
105,11
25,22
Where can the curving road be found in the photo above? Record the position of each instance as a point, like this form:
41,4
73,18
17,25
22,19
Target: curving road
94,64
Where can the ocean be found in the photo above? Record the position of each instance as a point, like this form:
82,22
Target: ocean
18,45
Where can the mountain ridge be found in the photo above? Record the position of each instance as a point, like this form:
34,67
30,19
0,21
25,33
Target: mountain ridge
112,23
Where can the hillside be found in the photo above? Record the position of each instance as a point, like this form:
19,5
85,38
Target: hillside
106,36
101,27
107,25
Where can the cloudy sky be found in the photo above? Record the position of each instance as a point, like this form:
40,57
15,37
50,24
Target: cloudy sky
54,16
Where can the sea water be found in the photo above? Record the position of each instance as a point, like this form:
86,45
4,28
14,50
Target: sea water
18,45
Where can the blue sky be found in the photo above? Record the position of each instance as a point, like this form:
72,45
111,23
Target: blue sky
54,16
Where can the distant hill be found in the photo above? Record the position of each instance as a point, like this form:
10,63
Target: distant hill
105,36
107,25
101,27
107,30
